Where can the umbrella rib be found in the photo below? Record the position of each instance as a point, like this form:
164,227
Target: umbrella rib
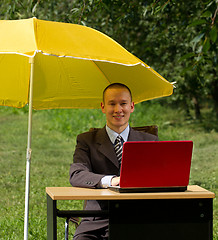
22,54
88,59
100,71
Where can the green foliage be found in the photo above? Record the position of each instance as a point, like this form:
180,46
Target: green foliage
67,120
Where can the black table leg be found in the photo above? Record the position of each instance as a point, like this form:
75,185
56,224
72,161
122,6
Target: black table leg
51,219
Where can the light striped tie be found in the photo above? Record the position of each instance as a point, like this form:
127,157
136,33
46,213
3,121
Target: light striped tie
118,147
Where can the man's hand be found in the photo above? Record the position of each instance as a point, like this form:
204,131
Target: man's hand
115,181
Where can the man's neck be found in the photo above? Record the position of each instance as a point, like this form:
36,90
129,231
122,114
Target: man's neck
119,130
113,135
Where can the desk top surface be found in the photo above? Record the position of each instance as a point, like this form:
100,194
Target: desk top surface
75,193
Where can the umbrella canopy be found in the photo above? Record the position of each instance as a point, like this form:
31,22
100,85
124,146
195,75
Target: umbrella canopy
72,66
61,65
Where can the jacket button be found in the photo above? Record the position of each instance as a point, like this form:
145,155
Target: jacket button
89,183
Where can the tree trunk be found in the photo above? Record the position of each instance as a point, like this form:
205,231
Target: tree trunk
214,94
197,108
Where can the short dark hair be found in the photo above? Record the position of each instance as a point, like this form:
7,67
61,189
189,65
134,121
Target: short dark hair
117,85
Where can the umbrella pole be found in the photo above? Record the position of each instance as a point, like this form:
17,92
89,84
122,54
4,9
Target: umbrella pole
28,154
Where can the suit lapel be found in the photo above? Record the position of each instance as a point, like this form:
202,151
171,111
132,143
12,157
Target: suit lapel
106,147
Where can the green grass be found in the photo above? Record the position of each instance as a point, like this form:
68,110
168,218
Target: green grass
53,141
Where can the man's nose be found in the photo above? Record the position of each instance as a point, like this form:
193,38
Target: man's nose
118,108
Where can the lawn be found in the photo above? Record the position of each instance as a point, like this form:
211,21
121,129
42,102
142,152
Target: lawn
53,142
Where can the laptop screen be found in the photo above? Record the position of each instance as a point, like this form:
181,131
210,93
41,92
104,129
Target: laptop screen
156,164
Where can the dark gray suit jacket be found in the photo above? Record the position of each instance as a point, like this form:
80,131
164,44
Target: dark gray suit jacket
94,157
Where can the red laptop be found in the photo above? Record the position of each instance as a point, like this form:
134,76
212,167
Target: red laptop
155,166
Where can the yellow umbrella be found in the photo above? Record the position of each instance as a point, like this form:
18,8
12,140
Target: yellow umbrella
72,66
60,65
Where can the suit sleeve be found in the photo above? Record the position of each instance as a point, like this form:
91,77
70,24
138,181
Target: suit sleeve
81,173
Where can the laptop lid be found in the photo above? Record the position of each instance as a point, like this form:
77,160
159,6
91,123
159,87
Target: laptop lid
159,164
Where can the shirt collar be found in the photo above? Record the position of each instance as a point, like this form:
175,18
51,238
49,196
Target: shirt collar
113,135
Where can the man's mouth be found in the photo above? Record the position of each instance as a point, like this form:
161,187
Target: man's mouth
118,116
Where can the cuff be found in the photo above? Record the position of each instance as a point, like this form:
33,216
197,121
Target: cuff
106,181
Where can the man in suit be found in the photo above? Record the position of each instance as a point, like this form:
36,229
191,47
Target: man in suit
95,161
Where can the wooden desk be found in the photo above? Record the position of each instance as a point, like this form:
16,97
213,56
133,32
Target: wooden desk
169,215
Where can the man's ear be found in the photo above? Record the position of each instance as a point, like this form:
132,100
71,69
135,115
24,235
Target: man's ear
102,107
132,106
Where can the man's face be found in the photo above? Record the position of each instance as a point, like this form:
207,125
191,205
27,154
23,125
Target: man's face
117,107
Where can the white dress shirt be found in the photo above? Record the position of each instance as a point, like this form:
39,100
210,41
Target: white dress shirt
106,180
